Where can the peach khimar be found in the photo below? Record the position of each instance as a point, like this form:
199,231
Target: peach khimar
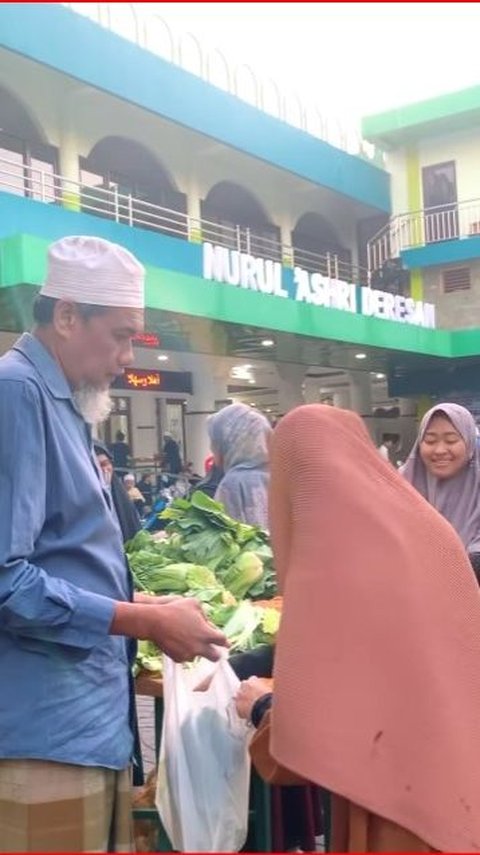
377,675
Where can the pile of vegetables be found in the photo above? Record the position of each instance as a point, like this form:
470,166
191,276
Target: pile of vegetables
220,561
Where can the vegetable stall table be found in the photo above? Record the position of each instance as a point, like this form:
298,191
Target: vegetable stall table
259,836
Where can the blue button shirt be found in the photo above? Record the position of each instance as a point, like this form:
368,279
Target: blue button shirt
64,680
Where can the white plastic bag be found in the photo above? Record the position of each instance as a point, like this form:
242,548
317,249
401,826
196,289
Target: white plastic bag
204,765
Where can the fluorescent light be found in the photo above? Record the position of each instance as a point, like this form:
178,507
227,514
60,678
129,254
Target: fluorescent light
268,410
163,357
253,404
268,342
380,376
360,356
252,382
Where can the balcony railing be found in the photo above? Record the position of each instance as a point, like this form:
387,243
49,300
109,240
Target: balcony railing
50,188
421,228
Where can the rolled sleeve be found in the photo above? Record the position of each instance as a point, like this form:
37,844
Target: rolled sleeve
34,603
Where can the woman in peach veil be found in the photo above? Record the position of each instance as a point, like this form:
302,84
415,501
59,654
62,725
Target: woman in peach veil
377,664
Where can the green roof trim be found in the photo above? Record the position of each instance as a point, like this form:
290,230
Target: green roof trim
450,112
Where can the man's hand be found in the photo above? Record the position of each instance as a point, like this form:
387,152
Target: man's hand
249,691
178,627
154,600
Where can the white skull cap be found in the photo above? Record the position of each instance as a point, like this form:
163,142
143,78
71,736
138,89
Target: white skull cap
94,271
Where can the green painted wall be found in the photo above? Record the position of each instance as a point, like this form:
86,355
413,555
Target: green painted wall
22,260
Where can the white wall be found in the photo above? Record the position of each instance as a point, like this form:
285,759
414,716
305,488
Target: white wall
462,147
396,165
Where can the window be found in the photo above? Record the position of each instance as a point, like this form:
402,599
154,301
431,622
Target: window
456,279
12,178
27,169
42,181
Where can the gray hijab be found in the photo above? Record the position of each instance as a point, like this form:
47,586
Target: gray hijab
457,498
239,435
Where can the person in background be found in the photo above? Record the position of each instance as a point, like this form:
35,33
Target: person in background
238,438
145,485
67,609
121,453
209,484
172,461
134,493
126,512
444,466
130,524
376,681
387,445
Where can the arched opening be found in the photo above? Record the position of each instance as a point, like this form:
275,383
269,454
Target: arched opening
122,179
317,248
235,218
27,162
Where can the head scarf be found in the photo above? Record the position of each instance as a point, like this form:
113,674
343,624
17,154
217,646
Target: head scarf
240,436
377,678
456,498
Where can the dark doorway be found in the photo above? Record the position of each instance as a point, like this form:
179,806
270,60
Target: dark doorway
440,201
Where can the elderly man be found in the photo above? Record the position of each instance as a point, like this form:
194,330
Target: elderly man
66,608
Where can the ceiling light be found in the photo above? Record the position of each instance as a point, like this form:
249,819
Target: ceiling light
163,357
268,342
252,382
360,356
380,376
268,410
253,404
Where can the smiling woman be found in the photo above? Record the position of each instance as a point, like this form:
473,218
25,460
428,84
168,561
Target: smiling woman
444,466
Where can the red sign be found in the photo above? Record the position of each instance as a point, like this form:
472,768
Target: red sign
150,380
147,339
138,379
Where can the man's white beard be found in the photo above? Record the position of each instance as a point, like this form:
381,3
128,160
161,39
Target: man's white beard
95,405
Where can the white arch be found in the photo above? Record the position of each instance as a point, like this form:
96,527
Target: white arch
271,98
29,110
218,70
158,37
190,54
246,84
293,110
122,20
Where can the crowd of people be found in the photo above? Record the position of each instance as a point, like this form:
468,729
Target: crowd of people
376,693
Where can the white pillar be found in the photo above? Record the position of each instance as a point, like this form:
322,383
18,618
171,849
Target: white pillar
408,406
312,392
194,212
361,392
341,398
208,388
290,387
361,396
69,168
286,227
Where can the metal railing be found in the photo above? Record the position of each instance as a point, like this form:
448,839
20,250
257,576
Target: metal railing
420,228
50,188
152,32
